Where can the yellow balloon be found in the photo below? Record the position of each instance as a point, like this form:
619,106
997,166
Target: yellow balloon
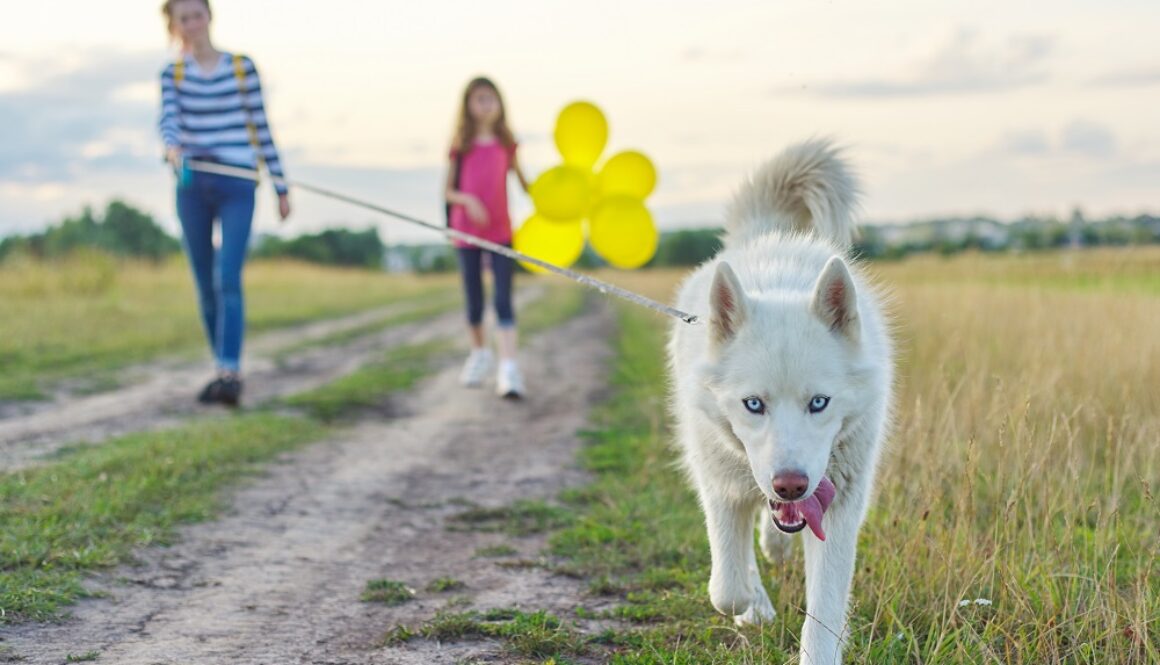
629,173
558,243
622,232
581,132
561,193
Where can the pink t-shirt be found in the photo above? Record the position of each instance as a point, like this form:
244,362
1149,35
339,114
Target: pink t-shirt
483,174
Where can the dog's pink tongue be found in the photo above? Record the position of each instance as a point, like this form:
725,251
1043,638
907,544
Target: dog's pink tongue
814,507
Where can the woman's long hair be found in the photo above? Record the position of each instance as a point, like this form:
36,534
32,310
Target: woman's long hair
167,12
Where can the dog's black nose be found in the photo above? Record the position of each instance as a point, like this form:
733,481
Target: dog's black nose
790,485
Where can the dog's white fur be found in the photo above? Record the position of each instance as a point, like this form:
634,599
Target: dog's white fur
790,318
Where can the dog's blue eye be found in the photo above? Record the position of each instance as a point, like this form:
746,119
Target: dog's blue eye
754,405
819,403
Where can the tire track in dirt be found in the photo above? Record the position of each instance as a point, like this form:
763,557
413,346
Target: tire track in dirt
277,580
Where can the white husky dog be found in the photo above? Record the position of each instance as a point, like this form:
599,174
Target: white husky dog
782,400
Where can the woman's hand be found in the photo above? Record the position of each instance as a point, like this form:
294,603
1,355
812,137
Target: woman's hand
284,206
475,211
173,156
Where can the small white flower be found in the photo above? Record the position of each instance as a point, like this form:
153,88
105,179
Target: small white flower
978,601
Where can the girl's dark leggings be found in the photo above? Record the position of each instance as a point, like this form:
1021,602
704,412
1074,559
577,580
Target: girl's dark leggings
471,268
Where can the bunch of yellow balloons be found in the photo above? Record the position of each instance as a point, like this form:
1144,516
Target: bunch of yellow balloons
610,200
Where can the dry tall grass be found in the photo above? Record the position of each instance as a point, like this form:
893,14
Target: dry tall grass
1024,467
91,312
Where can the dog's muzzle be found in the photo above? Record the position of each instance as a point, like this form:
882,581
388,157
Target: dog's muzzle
793,516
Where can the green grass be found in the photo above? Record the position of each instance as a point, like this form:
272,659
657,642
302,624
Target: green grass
1069,594
530,635
636,532
90,510
522,518
91,506
1036,492
133,312
427,307
444,584
1032,411
366,387
388,592
561,302
493,551
639,534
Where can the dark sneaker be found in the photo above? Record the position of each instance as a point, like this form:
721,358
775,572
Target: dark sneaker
230,393
225,390
211,393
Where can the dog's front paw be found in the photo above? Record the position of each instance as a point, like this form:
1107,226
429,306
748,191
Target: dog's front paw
760,611
729,594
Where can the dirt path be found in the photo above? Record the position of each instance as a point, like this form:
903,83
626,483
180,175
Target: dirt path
159,394
277,581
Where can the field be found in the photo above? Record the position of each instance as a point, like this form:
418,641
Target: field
1015,519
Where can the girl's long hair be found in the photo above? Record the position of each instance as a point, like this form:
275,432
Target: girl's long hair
466,128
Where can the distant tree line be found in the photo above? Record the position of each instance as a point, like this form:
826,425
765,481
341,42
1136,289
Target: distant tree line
677,248
951,236
125,231
122,230
338,247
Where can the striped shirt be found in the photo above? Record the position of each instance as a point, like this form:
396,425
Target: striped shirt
207,117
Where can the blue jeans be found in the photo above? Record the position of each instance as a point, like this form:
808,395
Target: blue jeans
206,198
471,267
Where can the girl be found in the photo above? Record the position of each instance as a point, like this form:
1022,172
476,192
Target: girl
483,150
212,110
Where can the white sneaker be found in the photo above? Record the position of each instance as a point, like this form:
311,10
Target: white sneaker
509,382
476,368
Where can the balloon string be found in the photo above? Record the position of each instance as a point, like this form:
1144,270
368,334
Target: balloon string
591,282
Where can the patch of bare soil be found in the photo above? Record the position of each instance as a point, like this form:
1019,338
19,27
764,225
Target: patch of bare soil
278,579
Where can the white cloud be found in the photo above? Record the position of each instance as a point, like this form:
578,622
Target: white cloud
1021,172
1089,139
1079,137
1049,107
1025,142
56,126
1128,78
965,64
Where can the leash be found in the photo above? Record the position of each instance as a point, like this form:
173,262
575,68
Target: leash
591,282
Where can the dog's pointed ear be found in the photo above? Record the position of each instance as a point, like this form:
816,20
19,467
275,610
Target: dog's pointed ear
728,308
835,301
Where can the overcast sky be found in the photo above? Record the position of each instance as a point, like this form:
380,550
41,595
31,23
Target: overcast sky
947,108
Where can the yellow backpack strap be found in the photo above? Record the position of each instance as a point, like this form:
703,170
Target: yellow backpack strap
240,70
240,75
179,70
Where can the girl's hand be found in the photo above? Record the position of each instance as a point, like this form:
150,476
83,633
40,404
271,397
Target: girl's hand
475,211
284,206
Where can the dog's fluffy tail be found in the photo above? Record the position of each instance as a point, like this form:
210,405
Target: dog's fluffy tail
807,188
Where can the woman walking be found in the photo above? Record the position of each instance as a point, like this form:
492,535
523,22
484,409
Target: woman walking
212,111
